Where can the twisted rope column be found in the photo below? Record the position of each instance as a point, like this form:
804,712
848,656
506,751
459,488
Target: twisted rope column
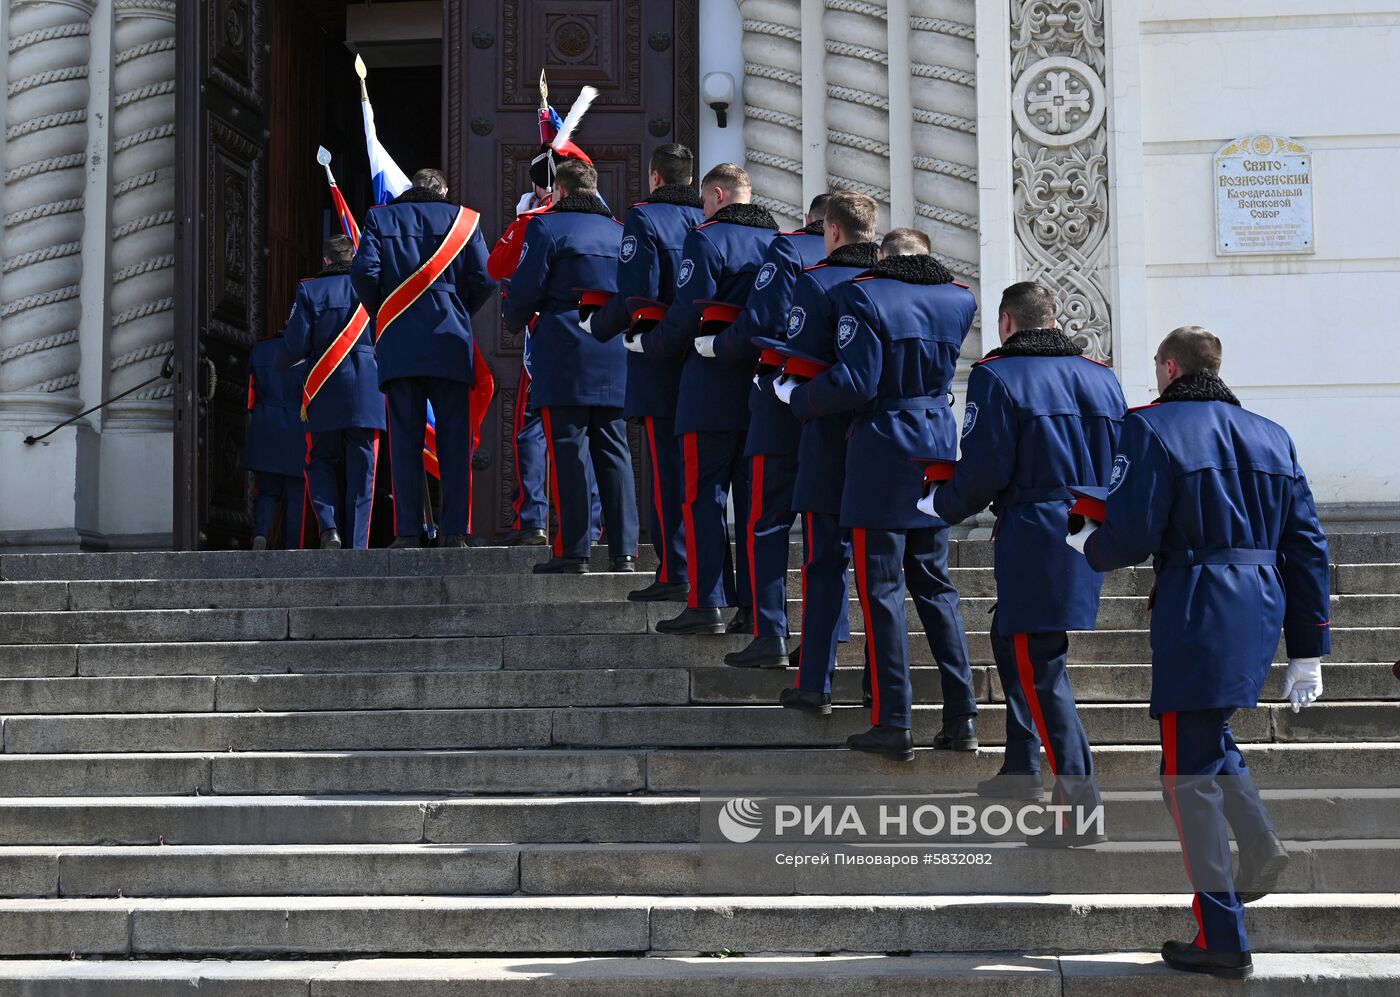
772,49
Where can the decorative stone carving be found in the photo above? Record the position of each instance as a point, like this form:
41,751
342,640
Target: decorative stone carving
772,47
142,298
1060,159
46,158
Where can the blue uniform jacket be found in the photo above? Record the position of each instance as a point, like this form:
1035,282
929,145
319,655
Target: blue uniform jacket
821,449
1215,495
276,440
898,336
772,427
350,398
720,260
573,245
433,338
1039,417
647,263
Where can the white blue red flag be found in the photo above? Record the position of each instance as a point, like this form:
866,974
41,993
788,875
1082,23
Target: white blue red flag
389,180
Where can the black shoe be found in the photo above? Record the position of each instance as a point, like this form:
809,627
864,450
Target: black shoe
742,622
458,540
660,592
1188,958
762,652
1064,833
561,566
892,742
958,734
1012,786
330,540
693,621
526,538
1261,866
260,543
626,563
401,543
817,704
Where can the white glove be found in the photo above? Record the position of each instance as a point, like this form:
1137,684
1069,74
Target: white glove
1302,683
705,346
1078,540
783,388
526,203
926,503
587,324
633,343
757,383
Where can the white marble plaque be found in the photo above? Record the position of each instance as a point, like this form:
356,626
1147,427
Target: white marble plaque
1263,197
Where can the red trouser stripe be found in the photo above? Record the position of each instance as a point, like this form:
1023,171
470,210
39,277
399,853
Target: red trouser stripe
553,482
661,543
1025,668
1169,773
755,511
863,590
692,494
522,401
806,563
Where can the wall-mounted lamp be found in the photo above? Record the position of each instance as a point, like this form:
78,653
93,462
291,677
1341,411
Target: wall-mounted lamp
718,90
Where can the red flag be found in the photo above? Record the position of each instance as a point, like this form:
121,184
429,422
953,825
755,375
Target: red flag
347,220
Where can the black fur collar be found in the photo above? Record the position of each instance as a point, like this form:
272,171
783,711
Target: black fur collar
855,254
1037,343
335,270
419,195
745,214
585,204
1202,386
918,269
676,193
817,227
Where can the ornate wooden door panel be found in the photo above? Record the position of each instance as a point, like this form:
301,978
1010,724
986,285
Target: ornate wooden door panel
220,264
642,58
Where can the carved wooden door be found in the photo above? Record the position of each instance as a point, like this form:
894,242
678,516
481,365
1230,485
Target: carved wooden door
220,264
642,58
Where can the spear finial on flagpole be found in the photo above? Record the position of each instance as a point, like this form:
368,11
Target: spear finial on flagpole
544,92
323,156
362,73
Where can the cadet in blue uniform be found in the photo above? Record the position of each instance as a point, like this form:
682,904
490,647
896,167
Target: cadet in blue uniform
578,383
648,260
899,331
720,260
1040,417
821,464
771,444
343,405
421,274
275,448
1214,495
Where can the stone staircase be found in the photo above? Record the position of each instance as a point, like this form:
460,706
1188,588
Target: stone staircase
423,773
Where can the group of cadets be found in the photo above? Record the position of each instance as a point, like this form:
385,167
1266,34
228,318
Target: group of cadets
806,377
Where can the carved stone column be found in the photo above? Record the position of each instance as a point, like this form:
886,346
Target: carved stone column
45,177
773,105
142,298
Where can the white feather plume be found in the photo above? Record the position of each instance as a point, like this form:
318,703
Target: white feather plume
585,100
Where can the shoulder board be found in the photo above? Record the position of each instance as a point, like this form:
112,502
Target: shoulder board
373,206
857,280
1092,360
815,266
638,204
798,232
958,283
707,224
987,360
1139,408
305,280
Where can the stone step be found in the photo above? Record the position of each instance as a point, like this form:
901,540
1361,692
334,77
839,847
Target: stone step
1010,974
416,925
749,771
617,727
1302,814
1005,866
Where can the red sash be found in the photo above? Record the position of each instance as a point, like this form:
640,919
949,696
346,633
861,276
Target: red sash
403,296
335,354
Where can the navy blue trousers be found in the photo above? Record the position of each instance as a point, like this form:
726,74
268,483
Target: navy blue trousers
1209,791
771,477
408,417
887,562
714,465
667,491
270,490
351,453
826,618
530,501
588,445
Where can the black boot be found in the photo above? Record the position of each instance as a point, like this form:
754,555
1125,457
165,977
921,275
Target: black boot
1012,786
1261,865
817,704
626,563
762,652
562,566
693,621
660,592
1188,958
457,540
330,540
404,543
1061,830
892,742
742,622
958,734
525,538
260,543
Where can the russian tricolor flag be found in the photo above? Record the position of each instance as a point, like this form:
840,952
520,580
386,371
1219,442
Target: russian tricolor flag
389,180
